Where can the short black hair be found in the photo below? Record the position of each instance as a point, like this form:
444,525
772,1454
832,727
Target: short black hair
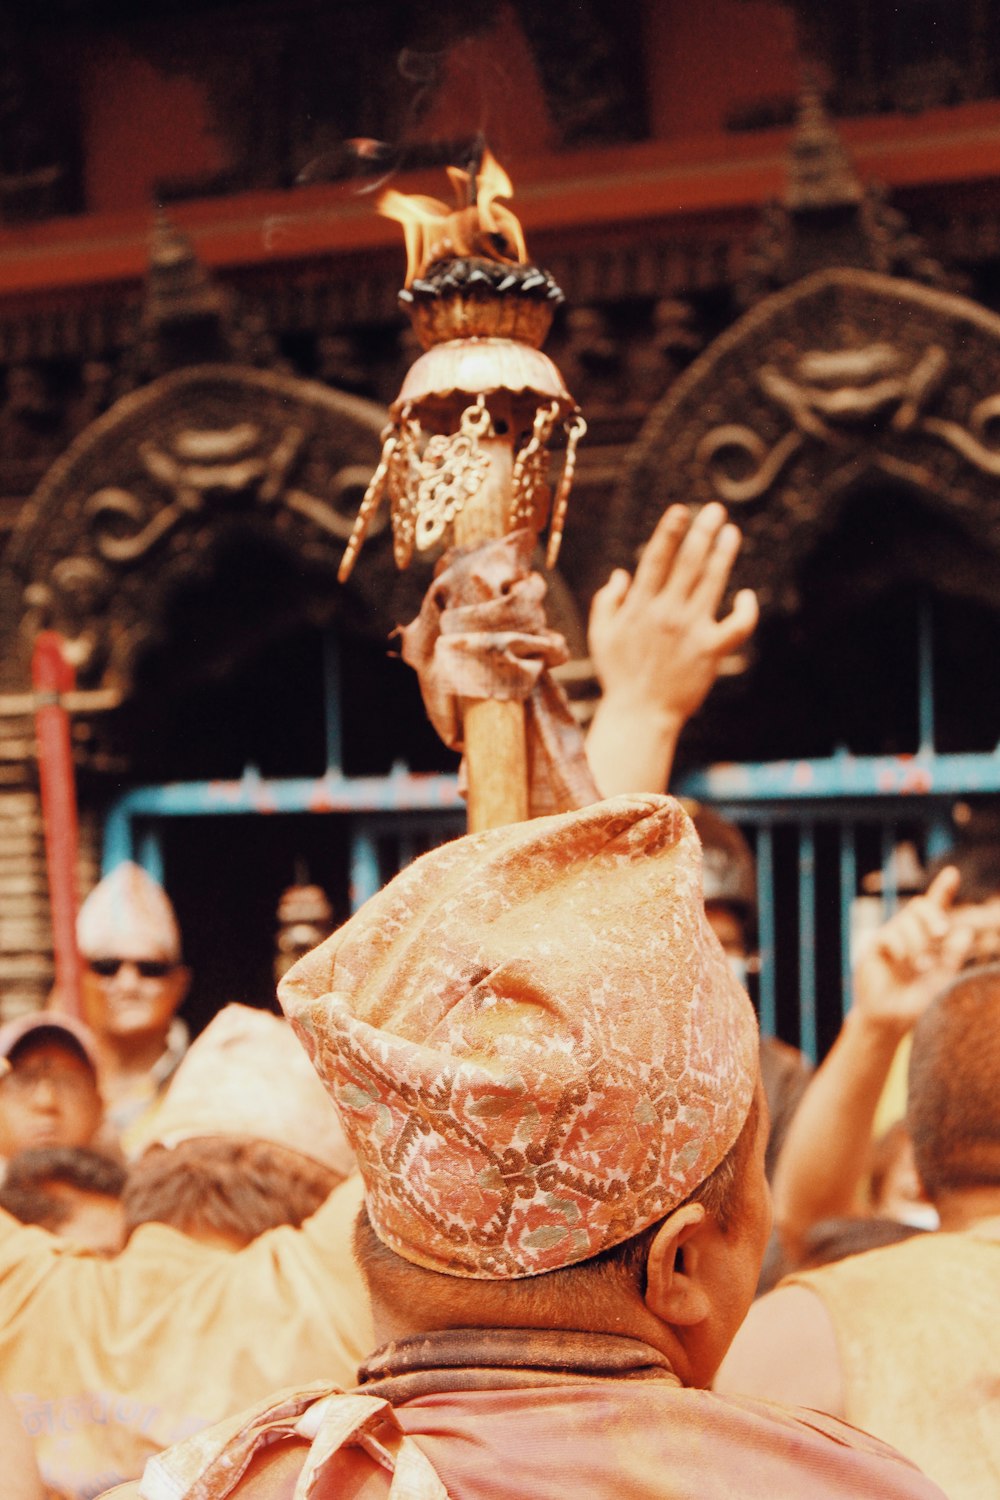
77,1166
24,1195
592,1282
952,1110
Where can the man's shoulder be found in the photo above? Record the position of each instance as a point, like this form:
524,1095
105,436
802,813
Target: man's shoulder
708,1442
786,1351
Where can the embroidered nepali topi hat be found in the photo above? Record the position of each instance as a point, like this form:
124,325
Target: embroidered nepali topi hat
128,906
534,1039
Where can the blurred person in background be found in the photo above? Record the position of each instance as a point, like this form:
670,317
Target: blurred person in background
236,1278
729,884
902,1340
49,1091
134,982
72,1192
822,1172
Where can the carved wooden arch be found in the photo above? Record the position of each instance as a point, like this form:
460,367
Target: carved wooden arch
847,377
133,506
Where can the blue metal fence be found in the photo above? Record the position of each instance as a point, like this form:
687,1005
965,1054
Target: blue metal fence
817,828
812,854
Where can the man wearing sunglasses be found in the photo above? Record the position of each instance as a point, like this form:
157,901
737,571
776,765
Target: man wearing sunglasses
133,985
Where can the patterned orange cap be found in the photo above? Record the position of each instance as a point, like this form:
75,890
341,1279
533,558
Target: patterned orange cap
534,1039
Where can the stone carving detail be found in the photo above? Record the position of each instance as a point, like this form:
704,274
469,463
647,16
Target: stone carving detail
136,502
827,392
844,377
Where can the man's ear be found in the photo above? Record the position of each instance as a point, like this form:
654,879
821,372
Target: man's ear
674,1292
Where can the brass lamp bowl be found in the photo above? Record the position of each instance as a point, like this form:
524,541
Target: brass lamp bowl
451,375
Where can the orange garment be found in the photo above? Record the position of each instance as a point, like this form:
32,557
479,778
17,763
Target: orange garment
108,1361
916,1327
505,1433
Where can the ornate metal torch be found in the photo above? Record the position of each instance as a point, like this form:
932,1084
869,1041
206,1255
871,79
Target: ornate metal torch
465,460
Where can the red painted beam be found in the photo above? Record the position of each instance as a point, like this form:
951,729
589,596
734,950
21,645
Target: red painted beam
598,189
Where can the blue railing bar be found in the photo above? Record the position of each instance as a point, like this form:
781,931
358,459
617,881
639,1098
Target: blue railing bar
925,677
365,876
118,844
331,702
848,892
807,941
940,836
150,853
845,775
767,988
400,791
872,810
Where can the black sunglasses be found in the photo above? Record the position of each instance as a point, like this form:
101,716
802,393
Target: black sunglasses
149,968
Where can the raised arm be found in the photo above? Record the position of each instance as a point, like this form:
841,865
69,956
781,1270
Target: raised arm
822,1163
657,646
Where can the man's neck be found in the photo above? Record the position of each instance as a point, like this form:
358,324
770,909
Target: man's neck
131,1057
967,1208
631,1320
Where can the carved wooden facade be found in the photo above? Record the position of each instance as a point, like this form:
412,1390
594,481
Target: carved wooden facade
142,433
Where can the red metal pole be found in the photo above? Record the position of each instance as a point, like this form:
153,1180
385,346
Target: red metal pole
52,675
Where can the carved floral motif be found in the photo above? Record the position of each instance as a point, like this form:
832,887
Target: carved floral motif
137,501
844,376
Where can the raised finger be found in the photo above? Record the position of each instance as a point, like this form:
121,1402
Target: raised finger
710,587
608,601
736,628
656,563
693,553
943,888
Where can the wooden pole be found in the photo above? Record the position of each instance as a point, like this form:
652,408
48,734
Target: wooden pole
496,752
52,675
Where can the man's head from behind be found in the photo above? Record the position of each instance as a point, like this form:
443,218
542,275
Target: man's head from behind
244,1140
975,914
71,1191
50,1095
133,980
953,1109
539,1053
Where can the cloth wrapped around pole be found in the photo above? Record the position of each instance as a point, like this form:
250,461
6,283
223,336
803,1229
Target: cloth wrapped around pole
481,633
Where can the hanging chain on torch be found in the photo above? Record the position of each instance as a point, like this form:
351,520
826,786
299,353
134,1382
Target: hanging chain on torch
399,442
428,492
529,480
404,473
576,428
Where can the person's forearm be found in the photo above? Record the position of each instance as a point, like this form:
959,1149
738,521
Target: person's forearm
631,749
823,1160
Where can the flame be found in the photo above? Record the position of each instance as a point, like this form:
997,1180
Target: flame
483,227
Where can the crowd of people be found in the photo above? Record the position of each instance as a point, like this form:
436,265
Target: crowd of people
488,1211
